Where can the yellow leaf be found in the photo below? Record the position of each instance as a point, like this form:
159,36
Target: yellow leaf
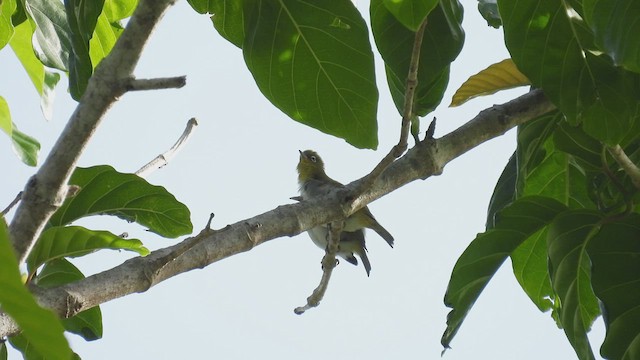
499,76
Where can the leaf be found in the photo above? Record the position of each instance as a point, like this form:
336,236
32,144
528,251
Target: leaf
555,50
104,191
52,40
615,255
44,81
499,76
7,8
5,117
486,253
26,147
40,326
573,140
530,267
228,19
489,11
546,171
616,28
504,192
103,40
442,42
410,13
313,61
3,351
82,17
116,10
88,323
73,241
570,268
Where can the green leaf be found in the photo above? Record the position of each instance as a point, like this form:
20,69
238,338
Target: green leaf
489,11
486,253
26,147
103,40
442,42
555,50
7,8
573,140
570,269
116,10
499,76
227,18
615,255
52,41
410,13
104,191
82,17
88,323
504,192
3,351
616,28
40,326
544,170
530,267
73,241
5,117
44,81
313,61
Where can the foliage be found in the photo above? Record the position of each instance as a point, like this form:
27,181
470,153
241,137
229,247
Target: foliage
564,210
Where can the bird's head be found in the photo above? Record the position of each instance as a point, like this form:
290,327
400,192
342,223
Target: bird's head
310,166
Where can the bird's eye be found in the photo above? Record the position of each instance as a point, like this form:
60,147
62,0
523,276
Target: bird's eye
313,158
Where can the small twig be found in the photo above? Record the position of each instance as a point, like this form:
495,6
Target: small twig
626,164
407,113
157,83
329,262
11,204
163,159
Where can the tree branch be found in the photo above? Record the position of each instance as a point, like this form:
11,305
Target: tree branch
164,158
46,190
157,84
626,164
425,159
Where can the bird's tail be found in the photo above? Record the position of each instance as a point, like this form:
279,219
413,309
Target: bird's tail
375,226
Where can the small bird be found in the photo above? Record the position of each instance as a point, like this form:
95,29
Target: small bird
314,182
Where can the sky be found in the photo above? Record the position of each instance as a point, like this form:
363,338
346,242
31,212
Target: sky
241,162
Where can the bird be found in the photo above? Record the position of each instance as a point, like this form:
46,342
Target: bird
314,183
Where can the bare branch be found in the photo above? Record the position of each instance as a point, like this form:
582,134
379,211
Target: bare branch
157,84
425,159
163,159
11,204
407,113
626,164
329,262
46,190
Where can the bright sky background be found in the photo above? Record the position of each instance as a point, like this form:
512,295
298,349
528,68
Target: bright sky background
241,162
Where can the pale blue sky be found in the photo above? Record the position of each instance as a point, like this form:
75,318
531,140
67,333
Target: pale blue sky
241,162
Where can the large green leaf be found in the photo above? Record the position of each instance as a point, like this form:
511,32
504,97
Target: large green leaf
442,42
52,40
410,13
73,241
530,267
108,28
615,255
504,192
82,17
555,50
40,326
227,17
7,8
544,170
486,253
104,191
88,323
573,140
314,62
617,29
43,80
570,270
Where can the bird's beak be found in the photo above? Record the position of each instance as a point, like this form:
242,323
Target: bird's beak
301,155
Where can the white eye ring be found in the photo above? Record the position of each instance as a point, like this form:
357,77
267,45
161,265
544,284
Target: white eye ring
312,158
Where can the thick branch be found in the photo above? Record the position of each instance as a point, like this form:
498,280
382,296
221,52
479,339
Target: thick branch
626,164
425,159
46,190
